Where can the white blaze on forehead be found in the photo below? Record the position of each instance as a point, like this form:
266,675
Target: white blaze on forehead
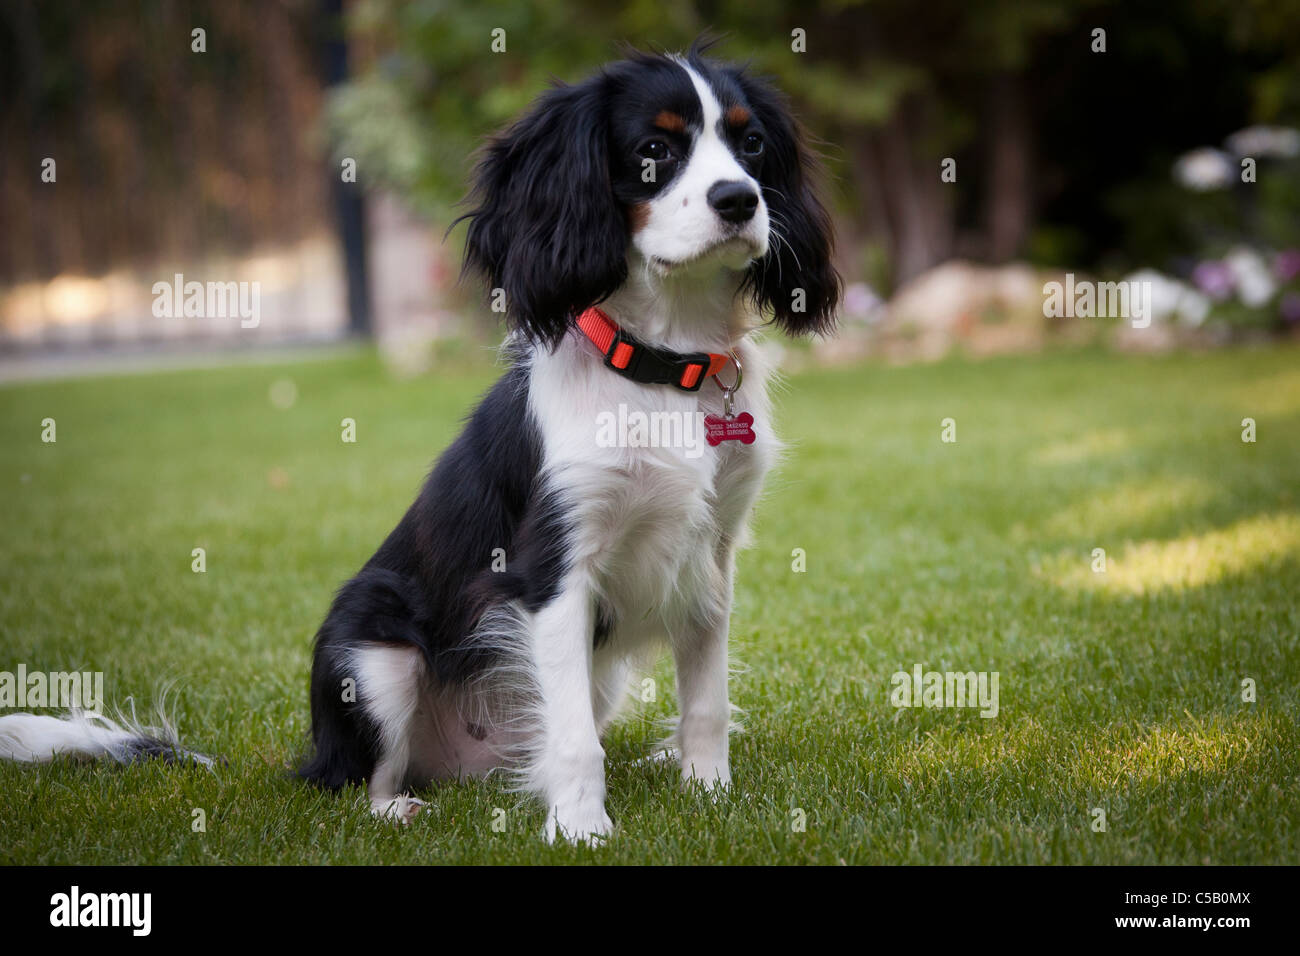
711,158
681,225
708,101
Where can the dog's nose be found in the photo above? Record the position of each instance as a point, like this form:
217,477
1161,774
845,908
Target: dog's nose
733,201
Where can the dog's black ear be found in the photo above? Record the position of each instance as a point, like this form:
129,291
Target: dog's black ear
545,226
796,279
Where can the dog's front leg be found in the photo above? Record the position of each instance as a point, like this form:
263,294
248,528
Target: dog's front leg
569,763
700,654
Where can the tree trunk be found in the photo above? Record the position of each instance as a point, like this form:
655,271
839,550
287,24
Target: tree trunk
909,207
1007,196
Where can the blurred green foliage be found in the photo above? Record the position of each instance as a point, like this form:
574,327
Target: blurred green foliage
433,85
1079,143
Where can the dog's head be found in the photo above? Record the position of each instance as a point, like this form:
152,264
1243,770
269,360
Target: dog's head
693,164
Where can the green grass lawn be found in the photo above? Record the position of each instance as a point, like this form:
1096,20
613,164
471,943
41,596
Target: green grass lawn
1119,691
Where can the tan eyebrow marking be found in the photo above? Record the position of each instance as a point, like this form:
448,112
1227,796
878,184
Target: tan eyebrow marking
737,116
671,122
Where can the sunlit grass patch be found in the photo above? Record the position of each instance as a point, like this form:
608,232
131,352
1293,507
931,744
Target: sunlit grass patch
1190,561
1277,393
1076,449
1211,745
1126,505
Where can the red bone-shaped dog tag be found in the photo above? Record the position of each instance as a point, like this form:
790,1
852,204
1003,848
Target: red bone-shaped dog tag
740,428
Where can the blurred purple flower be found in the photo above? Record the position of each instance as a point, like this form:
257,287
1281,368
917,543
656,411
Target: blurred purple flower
1290,308
1214,278
1272,141
861,301
1287,265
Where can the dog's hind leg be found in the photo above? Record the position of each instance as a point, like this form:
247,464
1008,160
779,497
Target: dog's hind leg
611,687
390,685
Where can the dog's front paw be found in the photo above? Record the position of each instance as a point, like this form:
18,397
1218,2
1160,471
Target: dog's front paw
399,809
590,825
713,778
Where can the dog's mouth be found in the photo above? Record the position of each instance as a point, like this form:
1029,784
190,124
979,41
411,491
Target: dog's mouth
734,251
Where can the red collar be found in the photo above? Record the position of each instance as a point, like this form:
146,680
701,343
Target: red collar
647,363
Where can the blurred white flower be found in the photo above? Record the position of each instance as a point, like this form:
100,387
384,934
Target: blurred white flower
1265,141
1254,280
1204,169
1171,298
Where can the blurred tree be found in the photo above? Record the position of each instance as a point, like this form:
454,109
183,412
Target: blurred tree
161,152
349,200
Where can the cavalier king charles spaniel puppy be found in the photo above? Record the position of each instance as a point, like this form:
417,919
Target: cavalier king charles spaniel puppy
638,226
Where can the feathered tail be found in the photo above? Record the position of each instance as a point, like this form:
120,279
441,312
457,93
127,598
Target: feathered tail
37,738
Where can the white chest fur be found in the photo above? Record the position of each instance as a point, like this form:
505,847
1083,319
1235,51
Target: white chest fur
654,521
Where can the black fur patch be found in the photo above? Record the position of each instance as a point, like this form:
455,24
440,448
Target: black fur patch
604,625
151,748
546,227
431,580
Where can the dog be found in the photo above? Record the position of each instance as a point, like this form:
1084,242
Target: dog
640,226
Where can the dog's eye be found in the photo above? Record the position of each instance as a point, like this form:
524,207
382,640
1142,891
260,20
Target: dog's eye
753,144
656,149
